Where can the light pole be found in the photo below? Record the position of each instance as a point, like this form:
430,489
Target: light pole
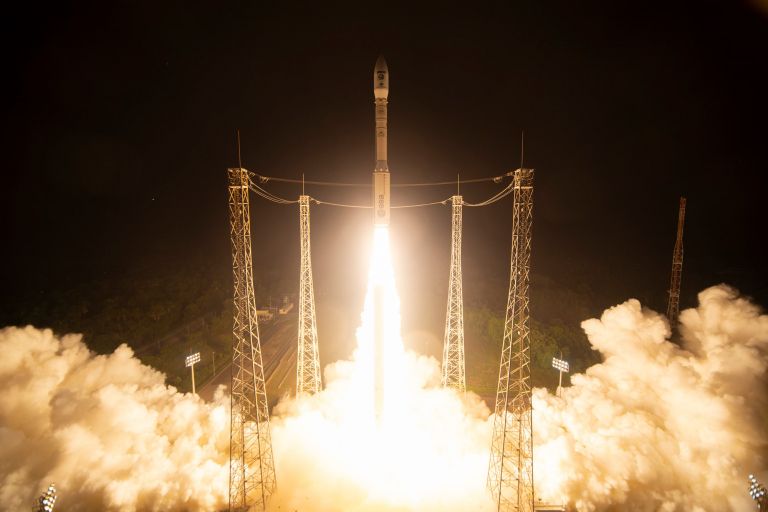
562,366
191,360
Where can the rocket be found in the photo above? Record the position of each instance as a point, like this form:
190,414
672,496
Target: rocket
380,221
381,171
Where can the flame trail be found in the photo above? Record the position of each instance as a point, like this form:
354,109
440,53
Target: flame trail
420,451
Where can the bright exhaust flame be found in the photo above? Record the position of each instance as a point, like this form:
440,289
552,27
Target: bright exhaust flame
380,353
383,434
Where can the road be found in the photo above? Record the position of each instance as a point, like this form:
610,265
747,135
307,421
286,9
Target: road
278,350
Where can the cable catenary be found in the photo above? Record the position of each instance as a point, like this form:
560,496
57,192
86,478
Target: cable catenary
261,192
266,179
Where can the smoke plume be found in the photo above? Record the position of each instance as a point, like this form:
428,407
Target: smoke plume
659,426
105,429
655,426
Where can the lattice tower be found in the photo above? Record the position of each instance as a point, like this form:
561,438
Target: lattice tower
673,306
453,343
510,473
308,358
251,464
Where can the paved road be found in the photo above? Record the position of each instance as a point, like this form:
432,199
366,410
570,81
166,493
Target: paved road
278,349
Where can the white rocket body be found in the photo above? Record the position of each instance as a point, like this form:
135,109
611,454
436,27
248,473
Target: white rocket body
381,172
380,221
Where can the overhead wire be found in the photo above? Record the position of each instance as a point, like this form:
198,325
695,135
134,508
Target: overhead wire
496,197
328,203
268,195
367,207
444,201
261,192
266,179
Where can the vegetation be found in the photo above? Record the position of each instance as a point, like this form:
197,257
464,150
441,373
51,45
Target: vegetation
162,318
484,332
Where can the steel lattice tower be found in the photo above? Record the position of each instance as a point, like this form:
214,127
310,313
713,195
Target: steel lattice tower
308,358
453,344
251,465
673,306
510,473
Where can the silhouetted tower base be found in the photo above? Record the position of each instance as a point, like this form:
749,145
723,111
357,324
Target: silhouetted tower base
453,343
251,465
510,473
673,306
308,357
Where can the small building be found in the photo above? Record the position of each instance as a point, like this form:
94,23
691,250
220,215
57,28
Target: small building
264,315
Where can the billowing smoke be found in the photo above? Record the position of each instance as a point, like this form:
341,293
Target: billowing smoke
656,426
105,429
420,447
659,426
432,456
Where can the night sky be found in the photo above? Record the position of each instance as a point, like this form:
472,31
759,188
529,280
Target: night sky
120,121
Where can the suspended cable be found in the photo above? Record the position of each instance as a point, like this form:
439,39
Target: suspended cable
268,195
365,207
261,192
265,179
495,179
494,198
444,201
328,203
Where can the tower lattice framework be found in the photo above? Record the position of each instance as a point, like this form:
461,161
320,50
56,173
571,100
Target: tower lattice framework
510,473
673,305
308,358
453,343
251,464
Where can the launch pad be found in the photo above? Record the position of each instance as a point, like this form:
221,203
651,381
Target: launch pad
252,471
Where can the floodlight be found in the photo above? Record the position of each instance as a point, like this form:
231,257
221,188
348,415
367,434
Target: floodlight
190,362
192,359
560,364
757,492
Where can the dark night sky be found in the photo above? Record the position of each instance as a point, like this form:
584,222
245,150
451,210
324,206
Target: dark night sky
120,120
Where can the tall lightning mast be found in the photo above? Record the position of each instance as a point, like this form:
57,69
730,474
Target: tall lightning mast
308,358
510,473
673,306
453,343
251,465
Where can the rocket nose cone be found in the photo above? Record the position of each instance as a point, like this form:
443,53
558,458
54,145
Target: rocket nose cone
381,64
381,78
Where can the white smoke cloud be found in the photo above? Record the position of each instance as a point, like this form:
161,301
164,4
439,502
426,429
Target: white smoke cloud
657,426
105,429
